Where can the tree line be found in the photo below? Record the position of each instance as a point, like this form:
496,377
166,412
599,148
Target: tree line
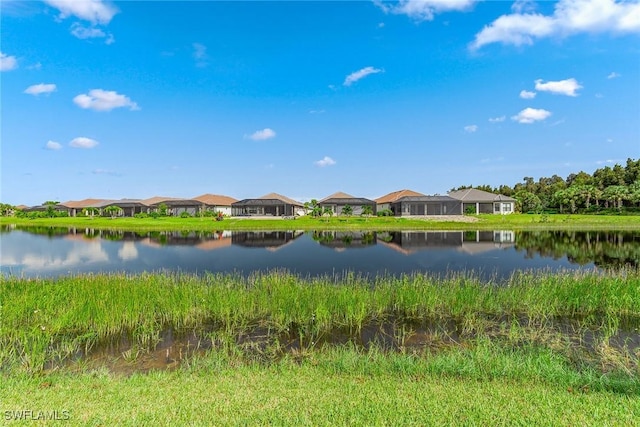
607,189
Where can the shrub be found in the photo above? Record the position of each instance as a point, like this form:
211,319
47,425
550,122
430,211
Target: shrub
141,215
185,215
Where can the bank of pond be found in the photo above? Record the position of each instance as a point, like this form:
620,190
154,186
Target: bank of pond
589,321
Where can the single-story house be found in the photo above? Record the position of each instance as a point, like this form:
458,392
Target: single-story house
338,201
271,204
426,205
216,202
129,207
384,202
483,202
75,207
175,207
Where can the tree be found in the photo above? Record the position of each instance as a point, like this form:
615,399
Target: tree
90,212
616,194
528,202
367,211
113,211
163,209
51,208
347,210
6,209
327,211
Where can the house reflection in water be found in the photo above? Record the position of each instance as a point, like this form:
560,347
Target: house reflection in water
340,240
472,242
271,240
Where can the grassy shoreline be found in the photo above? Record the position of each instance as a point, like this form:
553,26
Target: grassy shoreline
475,222
541,349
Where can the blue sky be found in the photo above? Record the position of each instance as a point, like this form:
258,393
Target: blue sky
137,99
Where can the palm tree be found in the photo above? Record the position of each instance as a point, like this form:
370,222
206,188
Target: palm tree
90,212
327,211
347,210
113,211
367,211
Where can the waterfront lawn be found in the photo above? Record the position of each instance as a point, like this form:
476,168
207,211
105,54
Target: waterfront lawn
472,222
334,389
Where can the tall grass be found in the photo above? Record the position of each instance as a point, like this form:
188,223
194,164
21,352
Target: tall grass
39,314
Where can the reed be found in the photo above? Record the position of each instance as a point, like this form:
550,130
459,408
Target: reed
41,317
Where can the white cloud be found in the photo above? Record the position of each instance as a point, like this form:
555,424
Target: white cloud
360,74
471,128
562,87
602,162
200,54
530,115
40,88
8,63
52,145
613,75
83,142
92,32
497,119
264,134
316,111
36,66
104,100
569,17
424,10
525,94
86,32
325,161
94,11
520,6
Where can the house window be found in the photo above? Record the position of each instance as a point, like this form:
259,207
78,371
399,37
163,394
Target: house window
496,207
507,208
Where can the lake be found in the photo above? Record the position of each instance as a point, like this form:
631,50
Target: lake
52,252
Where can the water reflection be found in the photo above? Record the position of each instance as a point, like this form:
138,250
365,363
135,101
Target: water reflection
46,251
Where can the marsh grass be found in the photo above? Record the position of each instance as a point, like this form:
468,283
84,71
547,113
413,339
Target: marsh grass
579,316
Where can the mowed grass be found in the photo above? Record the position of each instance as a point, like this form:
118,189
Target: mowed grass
335,388
474,222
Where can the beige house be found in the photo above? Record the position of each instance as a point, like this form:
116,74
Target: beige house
483,202
216,202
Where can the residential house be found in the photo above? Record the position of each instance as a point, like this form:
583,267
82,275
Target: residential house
129,207
76,207
337,202
426,205
216,202
175,206
482,202
271,204
384,203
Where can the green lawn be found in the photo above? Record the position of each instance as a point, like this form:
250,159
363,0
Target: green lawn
329,390
476,222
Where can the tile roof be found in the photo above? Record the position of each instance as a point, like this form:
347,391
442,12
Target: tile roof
393,196
338,195
281,198
85,203
156,199
475,195
215,200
